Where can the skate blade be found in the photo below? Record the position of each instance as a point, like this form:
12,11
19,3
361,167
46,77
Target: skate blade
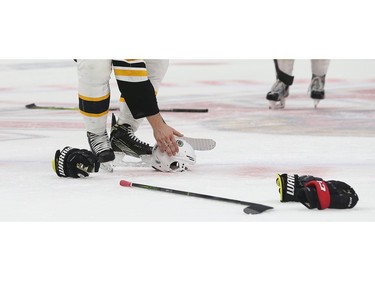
276,104
106,167
316,102
123,160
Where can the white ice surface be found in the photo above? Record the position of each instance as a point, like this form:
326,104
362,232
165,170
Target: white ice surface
334,141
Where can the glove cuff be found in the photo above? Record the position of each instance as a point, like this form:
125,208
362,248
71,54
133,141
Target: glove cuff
315,194
58,163
288,186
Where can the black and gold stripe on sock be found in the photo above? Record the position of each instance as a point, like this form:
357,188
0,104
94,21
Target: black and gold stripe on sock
94,107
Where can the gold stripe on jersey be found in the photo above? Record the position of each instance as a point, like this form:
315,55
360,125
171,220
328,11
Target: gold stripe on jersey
131,74
94,107
134,60
93,99
130,70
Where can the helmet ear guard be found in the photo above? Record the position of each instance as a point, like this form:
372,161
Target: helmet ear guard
180,162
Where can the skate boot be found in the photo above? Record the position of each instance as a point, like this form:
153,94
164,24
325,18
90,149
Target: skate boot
277,95
123,140
316,89
101,147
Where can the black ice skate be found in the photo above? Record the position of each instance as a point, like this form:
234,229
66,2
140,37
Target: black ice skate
101,147
277,95
316,89
123,140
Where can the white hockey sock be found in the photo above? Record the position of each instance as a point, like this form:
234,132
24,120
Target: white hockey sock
126,117
319,67
286,66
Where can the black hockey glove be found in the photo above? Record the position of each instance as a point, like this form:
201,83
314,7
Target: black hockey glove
290,184
328,194
74,162
314,192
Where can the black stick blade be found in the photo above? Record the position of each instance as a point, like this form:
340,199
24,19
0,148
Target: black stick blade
31,105
256,209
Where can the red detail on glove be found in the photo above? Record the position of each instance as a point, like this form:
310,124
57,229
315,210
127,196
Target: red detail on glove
322,191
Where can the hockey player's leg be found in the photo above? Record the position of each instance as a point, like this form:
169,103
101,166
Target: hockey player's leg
94,99
123,139
280,89
319,69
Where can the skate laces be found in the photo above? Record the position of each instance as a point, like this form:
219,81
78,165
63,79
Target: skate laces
98,143
129,131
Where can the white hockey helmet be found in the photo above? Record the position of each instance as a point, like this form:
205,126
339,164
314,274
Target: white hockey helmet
177,163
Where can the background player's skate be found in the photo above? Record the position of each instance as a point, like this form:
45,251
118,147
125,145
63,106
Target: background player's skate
276,97
316,89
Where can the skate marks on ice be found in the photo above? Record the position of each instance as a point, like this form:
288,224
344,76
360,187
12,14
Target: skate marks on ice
14,136
14,116
342,113
32,65
326,122
40,124
347,110
332,118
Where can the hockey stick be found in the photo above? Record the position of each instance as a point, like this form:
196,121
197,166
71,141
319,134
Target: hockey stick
253,208
196,110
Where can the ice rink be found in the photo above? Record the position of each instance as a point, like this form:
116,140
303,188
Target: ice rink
334,141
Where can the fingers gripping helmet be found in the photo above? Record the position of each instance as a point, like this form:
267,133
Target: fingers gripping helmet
177,163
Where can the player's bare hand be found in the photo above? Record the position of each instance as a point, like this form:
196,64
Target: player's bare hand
164,135
167,142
